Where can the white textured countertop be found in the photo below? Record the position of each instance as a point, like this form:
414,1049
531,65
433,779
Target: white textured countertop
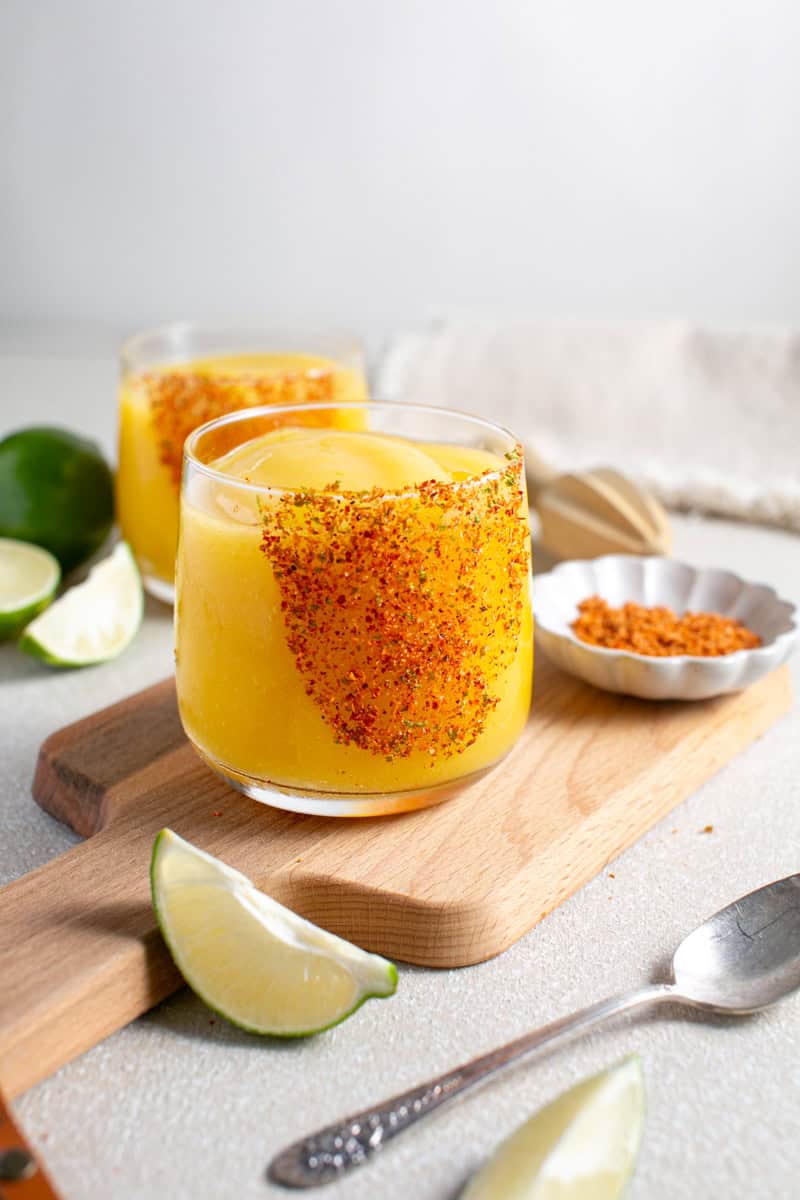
180,1106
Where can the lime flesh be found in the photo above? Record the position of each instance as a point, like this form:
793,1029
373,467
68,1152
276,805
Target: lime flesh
252,960
29,577
582,1146
95,620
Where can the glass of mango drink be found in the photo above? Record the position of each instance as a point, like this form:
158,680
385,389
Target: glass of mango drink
353,622
182,375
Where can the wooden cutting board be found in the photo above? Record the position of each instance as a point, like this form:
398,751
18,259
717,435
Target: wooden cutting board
80,954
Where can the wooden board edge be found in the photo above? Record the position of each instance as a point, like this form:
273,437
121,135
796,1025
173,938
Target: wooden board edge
52,782
38,1056
480,930
57,786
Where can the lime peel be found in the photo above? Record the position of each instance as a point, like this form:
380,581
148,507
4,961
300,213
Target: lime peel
57,491
29,578
94,621
255,962
581,1146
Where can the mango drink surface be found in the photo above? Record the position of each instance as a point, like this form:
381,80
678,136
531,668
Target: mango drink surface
367,631
160,407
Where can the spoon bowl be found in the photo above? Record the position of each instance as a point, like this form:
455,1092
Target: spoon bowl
746,956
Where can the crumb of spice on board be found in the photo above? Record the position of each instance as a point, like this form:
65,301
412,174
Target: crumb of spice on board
660,632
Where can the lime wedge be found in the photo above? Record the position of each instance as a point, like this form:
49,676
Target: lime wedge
93,621
258,964
29,577
582,1146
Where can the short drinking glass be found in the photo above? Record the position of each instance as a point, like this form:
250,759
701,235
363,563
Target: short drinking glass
180,376
353,620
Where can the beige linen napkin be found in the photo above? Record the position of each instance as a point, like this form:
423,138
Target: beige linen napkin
709,420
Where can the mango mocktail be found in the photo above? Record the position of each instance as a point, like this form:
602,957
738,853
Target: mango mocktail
364,626
160,407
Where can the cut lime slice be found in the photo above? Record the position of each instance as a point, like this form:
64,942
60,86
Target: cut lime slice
29,577
93,621
582,1146
256,963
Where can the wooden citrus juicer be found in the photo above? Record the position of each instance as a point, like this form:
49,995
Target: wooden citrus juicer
584,514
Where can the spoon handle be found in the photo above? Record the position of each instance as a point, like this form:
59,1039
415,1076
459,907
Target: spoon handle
330,1152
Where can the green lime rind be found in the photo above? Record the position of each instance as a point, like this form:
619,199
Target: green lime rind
291,1035
284,1035
32,646
12,624
16,613
29,645
40,638
57,491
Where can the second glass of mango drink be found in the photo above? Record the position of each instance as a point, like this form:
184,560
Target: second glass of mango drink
182,375
353,620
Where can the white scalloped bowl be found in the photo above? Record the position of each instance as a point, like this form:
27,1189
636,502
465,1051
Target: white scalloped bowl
652,581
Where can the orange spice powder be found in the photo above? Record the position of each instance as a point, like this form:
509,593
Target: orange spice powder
659,632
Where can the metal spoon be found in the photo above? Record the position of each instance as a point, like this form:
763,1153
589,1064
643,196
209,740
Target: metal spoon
742,959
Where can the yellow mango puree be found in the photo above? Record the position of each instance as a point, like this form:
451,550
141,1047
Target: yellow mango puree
366,630
160,407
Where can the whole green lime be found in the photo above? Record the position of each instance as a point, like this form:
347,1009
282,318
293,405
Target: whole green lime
56,490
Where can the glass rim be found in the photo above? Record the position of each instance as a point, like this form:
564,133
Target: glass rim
350,341
266,410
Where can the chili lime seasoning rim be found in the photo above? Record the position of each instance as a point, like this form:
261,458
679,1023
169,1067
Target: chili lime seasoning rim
404,581
272,411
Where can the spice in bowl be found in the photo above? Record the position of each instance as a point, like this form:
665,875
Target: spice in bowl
659,632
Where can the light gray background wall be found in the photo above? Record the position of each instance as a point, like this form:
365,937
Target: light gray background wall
375,162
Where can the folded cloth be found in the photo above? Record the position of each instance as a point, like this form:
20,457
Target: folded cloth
708,420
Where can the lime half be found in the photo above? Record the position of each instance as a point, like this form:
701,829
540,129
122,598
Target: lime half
255,962
29,577
582,1146
93,621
